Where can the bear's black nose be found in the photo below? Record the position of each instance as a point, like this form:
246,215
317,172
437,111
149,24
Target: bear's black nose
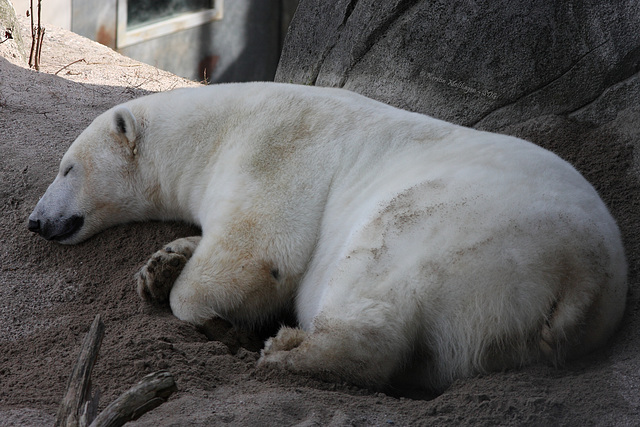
34,226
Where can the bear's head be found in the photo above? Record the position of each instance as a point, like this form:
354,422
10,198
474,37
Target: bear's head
96,183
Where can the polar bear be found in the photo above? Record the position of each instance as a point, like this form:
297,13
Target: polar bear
412,251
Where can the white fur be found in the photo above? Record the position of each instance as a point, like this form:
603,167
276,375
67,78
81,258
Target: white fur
415,250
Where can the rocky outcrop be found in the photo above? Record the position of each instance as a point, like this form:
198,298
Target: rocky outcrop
10,35
486,65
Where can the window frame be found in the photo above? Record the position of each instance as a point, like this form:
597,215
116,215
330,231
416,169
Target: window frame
127,37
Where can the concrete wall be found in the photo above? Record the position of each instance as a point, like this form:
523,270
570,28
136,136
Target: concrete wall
242,46
54,12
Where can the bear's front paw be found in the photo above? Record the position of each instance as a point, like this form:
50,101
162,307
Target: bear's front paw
157,276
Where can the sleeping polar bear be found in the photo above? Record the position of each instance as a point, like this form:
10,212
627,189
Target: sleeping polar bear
412,250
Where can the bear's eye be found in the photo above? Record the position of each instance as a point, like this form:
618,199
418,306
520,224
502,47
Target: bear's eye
67,170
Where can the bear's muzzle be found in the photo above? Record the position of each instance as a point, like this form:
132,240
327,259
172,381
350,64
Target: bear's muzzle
58,230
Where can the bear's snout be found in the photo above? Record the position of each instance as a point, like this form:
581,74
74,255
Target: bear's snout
34,225
59,230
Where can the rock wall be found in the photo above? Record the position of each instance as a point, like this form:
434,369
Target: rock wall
486,65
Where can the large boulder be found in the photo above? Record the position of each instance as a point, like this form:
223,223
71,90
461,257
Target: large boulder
488,66
561,74
10,35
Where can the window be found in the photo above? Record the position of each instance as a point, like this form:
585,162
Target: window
140,20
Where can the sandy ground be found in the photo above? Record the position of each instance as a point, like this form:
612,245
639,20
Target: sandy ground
49,294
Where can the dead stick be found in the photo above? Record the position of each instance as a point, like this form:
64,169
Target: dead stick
33,38
40,36
79,385
152,391
39,50
68,65
90,409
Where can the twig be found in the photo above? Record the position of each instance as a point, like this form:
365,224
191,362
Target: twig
37,37
40,37
152,391
79,385
68,65
33,37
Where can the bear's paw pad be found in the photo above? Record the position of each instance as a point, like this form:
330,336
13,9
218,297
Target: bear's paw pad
157,276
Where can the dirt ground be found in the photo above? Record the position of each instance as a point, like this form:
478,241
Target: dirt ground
49,295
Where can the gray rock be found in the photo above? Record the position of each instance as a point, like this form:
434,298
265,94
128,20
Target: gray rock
10,32
487,65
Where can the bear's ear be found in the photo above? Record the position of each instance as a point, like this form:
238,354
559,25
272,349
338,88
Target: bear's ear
125,126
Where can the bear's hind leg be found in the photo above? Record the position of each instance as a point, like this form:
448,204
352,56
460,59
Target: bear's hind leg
338,352
156,278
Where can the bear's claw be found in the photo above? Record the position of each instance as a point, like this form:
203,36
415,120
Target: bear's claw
277,350
156,278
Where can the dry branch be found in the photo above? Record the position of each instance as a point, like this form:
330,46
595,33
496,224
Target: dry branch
33,36
70,64
152,391
79,408
37,37
79,385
